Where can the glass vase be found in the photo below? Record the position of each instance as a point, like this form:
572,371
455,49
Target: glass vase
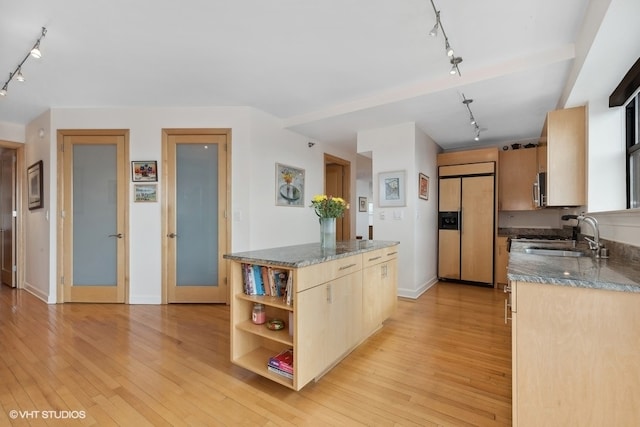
328,233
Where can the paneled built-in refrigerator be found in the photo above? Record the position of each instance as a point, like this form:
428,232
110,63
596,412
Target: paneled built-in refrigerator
466,222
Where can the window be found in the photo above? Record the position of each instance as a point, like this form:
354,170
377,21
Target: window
632,136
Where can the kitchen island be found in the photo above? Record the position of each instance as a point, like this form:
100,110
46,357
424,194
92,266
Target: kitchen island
334,300
575,340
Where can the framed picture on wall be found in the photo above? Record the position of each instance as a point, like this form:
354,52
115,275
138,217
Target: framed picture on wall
423,186
146,170
362,204
289,186
34,181
392,188
145,193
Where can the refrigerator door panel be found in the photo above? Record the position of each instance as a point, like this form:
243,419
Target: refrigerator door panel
449,254
477,228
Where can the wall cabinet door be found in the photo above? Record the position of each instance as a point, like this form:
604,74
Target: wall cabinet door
518,169
566,157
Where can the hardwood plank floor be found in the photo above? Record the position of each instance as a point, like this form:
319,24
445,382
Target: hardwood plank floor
443,359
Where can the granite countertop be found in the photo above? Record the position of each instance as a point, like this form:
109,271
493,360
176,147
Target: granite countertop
579,272
308,254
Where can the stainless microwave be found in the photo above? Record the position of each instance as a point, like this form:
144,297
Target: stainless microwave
540,190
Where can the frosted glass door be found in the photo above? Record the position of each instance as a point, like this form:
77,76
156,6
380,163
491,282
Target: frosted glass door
94,215
197,215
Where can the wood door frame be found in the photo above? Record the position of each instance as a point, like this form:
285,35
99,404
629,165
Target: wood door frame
346,188
60,230
21,207
166,133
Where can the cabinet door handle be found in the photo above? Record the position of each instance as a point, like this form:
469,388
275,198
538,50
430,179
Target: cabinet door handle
375,258
347,266
329,296
383,271
506,305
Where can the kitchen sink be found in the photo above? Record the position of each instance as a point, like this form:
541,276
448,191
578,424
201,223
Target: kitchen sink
553,252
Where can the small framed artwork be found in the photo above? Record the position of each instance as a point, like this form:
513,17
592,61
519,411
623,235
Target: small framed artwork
144,171
34,181
362,204
289,186
145,193
423,186
392,189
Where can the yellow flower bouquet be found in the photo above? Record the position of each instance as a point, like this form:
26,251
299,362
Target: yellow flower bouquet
329,206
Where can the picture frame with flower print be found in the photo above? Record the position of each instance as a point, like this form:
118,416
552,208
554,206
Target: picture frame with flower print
289,186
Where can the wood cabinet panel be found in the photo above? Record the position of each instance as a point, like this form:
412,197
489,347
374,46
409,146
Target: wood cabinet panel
502,260
477,229
518,169
566,157
575,356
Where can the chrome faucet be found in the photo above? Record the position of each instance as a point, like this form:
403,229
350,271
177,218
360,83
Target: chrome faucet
594,244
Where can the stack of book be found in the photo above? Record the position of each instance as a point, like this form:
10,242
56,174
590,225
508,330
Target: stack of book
282,363
261,280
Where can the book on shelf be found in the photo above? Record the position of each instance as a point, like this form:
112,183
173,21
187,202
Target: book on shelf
289,291
257,276
280,372
282,361
267,281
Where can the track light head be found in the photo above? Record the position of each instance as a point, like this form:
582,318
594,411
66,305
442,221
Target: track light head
434,30
449,49
35,52
20,77
454,65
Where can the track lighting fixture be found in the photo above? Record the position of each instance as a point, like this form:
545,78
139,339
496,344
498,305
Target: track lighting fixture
472,119
35,52
455,60
434,30
454,65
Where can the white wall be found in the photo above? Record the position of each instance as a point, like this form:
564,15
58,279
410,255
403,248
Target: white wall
413,225
601,67
364,188
38,223
258,141
426,233
12,132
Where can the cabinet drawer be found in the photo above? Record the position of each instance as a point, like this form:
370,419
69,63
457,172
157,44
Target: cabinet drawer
316,274
379,255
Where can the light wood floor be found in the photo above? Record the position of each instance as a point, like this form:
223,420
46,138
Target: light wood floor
444,359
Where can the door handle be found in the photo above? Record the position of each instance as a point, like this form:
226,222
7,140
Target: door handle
172,235
119,235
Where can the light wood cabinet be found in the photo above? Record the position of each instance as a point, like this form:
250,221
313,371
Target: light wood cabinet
575,356
379,288
517,174
327,313
502,260
562,155
329,319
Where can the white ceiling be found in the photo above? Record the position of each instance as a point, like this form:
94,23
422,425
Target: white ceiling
326,68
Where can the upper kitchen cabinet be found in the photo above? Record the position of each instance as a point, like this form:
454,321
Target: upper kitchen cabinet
562,155
517,174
